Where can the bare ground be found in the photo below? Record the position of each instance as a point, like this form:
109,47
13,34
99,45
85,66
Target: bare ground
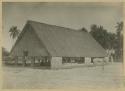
84,77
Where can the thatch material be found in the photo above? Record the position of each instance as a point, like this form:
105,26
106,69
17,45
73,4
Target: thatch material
59,41
28,41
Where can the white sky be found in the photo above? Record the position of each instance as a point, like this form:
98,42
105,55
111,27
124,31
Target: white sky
71,15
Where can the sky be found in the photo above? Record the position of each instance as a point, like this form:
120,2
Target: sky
71,15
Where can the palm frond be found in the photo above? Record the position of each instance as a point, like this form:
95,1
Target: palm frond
14,32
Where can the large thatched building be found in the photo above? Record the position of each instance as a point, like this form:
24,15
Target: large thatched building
55,45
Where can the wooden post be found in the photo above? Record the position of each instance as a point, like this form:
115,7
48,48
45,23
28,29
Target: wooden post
83,59
112,60
39,62
92,58
32,61
16,60
24,61
103,64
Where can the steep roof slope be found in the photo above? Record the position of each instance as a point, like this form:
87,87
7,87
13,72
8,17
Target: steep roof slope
61,41
28,41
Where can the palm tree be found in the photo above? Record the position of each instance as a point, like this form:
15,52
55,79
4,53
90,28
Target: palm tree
119,27
14,32
119,30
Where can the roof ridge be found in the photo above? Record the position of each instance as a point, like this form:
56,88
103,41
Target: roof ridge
67,29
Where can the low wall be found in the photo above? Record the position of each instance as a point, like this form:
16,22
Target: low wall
56,62
87,60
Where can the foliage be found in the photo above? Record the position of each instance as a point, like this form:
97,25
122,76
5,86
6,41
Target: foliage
109,40
14,32
104,38
119,47
84,29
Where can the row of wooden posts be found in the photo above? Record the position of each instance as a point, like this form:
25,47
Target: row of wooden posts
32,60
75,60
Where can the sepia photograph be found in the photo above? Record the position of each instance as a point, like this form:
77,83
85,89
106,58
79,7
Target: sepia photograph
57,45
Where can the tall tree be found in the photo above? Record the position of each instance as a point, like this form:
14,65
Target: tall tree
119,31
14,32
101,35
112,40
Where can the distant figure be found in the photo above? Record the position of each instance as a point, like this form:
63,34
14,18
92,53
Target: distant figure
111,54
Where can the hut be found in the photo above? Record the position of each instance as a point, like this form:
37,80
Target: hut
53,46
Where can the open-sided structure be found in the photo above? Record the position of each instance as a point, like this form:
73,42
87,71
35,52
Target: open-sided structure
55,45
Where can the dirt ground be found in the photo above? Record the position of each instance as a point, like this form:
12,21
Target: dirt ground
83,77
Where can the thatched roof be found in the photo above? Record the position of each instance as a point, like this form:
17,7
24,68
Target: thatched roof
60,41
